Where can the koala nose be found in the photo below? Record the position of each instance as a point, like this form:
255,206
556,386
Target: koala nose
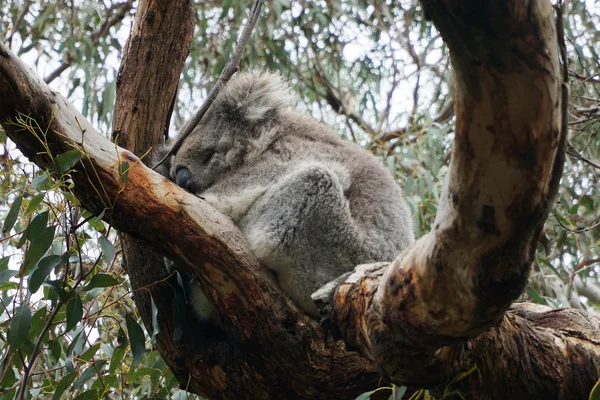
182,177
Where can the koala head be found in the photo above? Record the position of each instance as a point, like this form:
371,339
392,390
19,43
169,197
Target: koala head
241,123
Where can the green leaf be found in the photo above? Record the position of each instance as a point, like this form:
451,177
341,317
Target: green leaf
115,360
19,328
74,312
39,243
124,171
10,395
4,263
89,353
6,275
12,215
36,226
66,161
88,373
459,377
55,349
155,326
399,393
64,383
39,181
136,339
76,339
38,321
92,394
595,393
35,202
100,281
9,379
58,287
107,248
138,373
45,266
534,295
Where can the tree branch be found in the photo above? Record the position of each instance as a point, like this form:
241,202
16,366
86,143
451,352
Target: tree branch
456,282
437,310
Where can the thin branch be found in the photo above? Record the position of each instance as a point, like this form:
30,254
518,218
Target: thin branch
123,9
574,153
230,69
18,21
582,230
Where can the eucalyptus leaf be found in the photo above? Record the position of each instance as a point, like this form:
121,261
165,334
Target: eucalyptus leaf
67,160
107,248
100,281
44,267
136,339
12,215
74,312
64,383
19,328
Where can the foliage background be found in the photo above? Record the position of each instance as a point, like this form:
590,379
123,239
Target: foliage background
376,72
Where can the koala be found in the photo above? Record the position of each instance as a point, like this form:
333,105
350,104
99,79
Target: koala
311,205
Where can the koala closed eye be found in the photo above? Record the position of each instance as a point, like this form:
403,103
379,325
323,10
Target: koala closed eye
311,205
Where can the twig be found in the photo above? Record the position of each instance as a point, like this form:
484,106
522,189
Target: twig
583,230
230,69
20,17
574,153
96,36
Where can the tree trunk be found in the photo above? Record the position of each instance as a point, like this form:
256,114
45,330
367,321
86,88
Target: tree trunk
436,311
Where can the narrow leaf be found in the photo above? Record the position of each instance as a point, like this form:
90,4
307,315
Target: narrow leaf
107,248
64,383
136,339
155,327
92,394
595,393
115,360
12,215
124,170
74,312
88,373
35,202
6,275
19,328
39,275
4,263
73,344
100,281
39,244
38,182
66,161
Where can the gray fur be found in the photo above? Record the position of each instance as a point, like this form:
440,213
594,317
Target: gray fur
311,205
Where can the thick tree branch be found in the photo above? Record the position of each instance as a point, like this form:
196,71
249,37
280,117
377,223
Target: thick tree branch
437,310
458,280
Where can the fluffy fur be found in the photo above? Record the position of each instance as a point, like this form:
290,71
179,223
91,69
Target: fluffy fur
311,205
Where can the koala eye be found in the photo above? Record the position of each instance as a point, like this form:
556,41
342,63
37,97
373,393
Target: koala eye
182,177
206,155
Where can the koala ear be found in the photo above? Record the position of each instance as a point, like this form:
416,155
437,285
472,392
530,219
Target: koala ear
253,97
165,168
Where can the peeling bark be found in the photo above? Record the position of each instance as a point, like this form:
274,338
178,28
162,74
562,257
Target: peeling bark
436,311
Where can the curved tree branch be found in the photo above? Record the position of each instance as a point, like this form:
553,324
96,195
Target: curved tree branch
437,310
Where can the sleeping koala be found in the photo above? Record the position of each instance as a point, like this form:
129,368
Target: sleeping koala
311,205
